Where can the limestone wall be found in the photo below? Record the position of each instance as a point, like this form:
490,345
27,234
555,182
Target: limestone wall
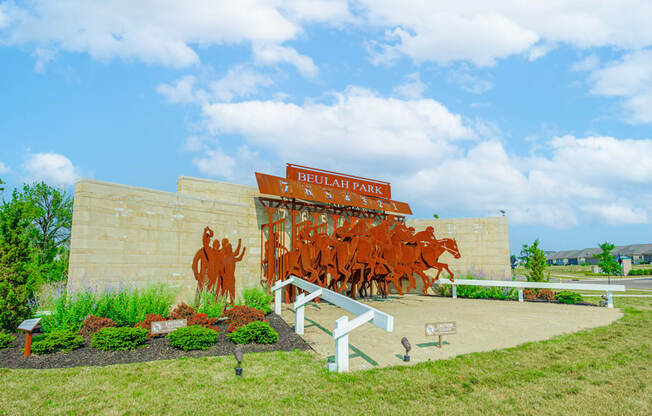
483,245
124,235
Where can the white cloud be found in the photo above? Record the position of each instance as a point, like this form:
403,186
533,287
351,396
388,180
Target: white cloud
412,87
482,32
437,158
270,54
53,168
3,168
468,82
589,63
181,91
162,31
629,78
239,81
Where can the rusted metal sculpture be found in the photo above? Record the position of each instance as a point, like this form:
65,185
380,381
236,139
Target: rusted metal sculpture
358,255
214,267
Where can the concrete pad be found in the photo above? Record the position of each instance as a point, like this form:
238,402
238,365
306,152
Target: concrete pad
482,325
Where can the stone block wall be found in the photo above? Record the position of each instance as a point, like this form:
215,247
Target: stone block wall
125,235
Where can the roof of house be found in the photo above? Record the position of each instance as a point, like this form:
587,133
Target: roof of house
629,250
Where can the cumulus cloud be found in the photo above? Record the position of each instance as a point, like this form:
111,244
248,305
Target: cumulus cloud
412,87
629,78
165,32
437,158
3,168
270,54
444,32
52,168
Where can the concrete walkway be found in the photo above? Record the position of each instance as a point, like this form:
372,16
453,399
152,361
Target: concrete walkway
482,325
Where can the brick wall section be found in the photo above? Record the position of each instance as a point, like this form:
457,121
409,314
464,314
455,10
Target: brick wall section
125,235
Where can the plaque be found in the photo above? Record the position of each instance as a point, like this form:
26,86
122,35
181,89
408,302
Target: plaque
165,327
28,325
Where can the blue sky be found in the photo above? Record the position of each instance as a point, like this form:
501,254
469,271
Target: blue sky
543,110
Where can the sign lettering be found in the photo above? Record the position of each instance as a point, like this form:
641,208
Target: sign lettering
165,327
440,328
364,186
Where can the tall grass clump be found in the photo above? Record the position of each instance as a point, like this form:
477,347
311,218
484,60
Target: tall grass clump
210,303
258,298
125,307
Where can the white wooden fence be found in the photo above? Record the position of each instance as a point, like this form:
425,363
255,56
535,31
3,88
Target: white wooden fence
536,285
343,326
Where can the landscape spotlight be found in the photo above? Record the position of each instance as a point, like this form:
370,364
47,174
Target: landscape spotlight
238,356
408,347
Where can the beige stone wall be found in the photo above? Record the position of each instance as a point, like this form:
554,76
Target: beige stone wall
124,235
483,245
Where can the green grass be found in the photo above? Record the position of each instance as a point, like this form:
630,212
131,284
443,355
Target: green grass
605,370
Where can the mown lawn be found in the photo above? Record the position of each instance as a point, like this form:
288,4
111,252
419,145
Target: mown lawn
600,371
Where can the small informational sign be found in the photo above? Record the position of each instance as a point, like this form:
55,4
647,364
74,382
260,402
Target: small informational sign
440,329
165,327
29,325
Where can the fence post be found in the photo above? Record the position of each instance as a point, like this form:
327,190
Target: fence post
300,313
278,293
454,291
610,300
342,347
520,295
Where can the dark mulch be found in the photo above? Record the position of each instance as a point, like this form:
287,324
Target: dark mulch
156,349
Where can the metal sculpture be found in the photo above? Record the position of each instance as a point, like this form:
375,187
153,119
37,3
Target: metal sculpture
214,267
358,256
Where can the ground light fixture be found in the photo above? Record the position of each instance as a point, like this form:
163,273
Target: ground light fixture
237,352
408,347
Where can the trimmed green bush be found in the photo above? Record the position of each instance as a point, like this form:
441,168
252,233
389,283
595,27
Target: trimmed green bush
478,292
568,297
193,338
5,340
258,332
56,341
258,298
119,339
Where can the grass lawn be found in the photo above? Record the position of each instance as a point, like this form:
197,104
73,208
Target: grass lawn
599,371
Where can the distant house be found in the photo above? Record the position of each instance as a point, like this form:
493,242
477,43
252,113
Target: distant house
639,253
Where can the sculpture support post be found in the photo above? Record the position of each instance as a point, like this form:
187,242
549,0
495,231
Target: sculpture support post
300,314
277,301
342,347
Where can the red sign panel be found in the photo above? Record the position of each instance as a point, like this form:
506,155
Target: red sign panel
290,188
364,186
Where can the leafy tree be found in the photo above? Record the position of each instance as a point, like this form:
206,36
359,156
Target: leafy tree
608,263
513,260
435,215
2,188
534,260
15,257
50,212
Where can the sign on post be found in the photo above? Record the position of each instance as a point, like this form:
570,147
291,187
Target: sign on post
439,329
165,327
28,326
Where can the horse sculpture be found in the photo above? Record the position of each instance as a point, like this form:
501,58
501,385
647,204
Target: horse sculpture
358,256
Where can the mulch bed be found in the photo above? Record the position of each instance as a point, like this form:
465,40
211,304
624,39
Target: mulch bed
155,349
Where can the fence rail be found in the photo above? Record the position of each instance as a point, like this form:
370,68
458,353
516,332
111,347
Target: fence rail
343,326
608,289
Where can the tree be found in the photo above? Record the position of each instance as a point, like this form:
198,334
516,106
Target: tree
436,216
534,260
2,188
50,213
608,263
15,257
513,260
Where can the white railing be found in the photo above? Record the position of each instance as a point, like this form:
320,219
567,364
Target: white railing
536,285
343,326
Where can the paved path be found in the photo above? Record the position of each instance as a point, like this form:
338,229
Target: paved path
482,325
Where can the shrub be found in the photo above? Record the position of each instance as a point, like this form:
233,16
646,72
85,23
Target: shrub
257,332
193,338
478,292
147,323
544,294
93,323
119,339
57,341
182,311
124,307
5,340
258,298
240,315
568,297
210,303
